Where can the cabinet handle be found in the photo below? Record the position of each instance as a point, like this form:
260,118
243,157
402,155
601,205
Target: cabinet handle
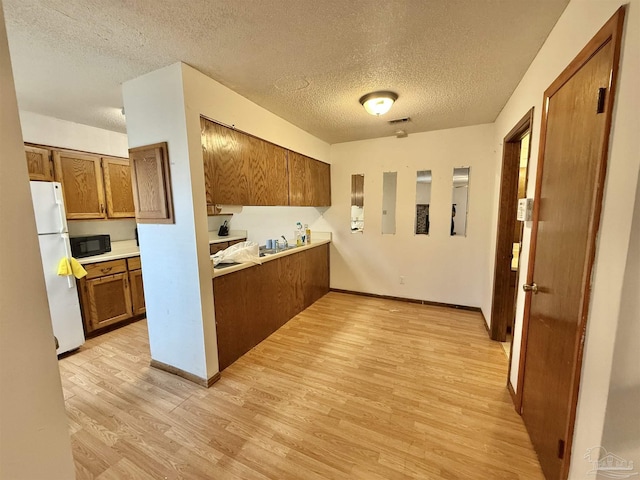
102,207
106,269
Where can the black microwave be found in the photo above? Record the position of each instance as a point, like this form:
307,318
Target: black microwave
90,245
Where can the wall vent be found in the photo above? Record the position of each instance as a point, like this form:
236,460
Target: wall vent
399,120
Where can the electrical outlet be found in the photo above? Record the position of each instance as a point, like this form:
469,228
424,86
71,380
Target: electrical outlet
401,279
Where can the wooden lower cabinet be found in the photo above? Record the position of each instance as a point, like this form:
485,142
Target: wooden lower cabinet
253,303
137,292
111,293
108,299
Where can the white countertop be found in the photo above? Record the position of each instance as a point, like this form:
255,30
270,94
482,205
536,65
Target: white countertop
319,238
122,249
233,235
128,248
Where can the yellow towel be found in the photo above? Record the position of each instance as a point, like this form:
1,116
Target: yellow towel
70,266
64,267
77,269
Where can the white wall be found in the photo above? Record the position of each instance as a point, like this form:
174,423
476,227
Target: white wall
51,131
621,434
34,435
179,309
437,267
577,25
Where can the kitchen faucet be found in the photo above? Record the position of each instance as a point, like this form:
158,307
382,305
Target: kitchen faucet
286,244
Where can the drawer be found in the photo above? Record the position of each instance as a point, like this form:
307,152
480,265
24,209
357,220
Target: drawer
233,242
134,263
95,270
216,247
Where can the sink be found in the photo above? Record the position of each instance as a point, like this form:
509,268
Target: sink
270,251
225,265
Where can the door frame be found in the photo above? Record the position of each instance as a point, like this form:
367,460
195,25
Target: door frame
507,208
610,32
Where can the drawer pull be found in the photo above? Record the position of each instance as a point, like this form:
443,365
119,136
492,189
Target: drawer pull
106,269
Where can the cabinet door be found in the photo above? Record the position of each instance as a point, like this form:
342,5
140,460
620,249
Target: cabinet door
226,154
137,292
321,183
300,183
108,300
82,187
268,180
39,164
117,187
217,247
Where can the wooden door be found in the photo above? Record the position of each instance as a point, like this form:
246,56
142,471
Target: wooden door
109,300
39,164
268,182
569,186
137,292
504,278
82,187
117,187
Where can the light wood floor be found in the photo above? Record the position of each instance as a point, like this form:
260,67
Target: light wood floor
352,388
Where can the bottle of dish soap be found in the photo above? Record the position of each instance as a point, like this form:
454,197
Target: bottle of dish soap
307,234
299,235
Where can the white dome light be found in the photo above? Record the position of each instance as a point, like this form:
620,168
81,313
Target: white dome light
378,103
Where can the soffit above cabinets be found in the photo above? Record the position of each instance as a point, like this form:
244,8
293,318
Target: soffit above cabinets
453,63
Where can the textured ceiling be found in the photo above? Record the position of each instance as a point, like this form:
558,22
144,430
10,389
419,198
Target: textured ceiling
452,62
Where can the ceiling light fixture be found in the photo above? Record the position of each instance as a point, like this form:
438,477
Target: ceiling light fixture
378,103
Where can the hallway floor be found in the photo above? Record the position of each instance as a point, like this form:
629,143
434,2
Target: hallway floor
352,388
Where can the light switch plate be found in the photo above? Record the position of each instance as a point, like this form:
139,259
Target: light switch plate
525,209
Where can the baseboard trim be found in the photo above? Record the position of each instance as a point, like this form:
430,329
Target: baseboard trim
486,325
204,382
409,300
512,392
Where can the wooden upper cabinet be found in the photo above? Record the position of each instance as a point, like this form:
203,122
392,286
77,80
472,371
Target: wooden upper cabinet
117,187
81,179
268,173
226,155
241,169
309,181
39,164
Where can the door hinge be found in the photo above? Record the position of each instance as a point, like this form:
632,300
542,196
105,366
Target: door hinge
560,449
602,94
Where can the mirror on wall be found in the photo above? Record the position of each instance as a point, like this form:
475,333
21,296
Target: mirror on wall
423,199
459,202
357,203
389,193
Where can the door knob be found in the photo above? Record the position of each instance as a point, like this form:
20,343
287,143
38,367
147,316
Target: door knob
530,288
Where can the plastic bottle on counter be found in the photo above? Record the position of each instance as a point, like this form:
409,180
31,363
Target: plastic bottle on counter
307,234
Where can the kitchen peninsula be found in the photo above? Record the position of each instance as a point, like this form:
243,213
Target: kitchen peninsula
252,301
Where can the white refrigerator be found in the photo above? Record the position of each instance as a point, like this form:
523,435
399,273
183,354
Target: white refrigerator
53,236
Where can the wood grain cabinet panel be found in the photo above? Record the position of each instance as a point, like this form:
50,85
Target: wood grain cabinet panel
137,292
309,181
112,292
226,155
108,300
268,174
253,303
39,164
217,247
81,179
117,186
151,182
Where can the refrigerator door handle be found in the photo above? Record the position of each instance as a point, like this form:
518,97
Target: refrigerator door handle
67,253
